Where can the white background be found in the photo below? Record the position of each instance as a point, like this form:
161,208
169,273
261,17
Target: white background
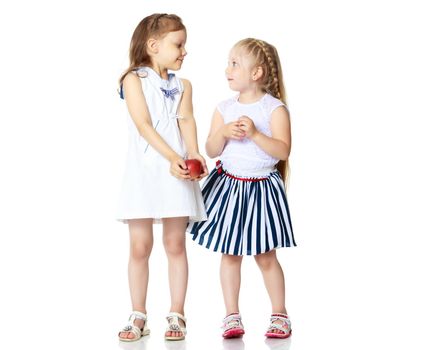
361,78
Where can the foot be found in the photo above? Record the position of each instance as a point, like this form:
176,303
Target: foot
279,327
232,326
176,329
136,327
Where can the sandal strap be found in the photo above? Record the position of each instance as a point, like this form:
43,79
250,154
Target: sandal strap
174,326
232,321
279,316
138,315
133,329
177,315
285,326
273,326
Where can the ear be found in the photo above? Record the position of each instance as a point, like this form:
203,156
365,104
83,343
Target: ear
257,73
152,45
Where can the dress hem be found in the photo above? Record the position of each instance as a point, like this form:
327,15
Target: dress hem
157,218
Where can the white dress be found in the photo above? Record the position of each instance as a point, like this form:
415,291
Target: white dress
148,188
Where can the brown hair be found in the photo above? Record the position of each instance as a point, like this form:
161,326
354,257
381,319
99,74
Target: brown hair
153,26
265,55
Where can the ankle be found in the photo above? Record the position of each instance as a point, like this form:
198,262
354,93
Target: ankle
280,311
233,311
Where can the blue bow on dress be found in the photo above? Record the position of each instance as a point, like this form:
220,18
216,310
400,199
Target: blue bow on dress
170,93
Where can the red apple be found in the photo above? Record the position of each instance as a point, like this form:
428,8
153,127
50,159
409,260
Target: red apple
195,167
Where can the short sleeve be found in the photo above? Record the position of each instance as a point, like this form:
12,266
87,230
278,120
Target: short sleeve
274,103
223,106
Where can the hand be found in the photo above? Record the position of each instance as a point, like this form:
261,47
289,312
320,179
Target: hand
178,168
233,131
247,126
204,166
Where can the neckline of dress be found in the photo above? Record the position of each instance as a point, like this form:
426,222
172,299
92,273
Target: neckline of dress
236,98
156,77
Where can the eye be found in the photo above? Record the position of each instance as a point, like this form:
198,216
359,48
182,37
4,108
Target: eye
233,63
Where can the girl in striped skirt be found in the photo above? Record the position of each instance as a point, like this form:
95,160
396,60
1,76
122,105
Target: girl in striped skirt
245,197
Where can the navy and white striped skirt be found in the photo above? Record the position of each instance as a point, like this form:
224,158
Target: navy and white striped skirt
246,215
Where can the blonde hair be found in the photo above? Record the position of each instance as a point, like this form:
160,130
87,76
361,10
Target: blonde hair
265,56
153,26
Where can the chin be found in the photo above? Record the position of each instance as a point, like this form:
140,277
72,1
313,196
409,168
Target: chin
233,87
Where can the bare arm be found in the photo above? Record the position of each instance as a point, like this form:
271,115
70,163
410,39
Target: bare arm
139,112
279,144
187,125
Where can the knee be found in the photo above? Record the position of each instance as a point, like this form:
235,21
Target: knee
140,252
231,260
174,246
265,261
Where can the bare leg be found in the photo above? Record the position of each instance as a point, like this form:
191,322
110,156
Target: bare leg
141,242
174,240
274,281
230,281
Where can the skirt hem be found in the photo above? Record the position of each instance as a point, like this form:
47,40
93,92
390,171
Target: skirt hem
248,253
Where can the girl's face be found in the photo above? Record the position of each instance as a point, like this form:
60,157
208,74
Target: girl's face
171,50
239,71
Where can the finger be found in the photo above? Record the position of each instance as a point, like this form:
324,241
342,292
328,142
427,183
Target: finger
184,177
178,172
182,164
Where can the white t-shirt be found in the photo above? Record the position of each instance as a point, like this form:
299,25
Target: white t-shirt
244,156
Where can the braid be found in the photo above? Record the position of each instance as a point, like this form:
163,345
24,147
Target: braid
272,85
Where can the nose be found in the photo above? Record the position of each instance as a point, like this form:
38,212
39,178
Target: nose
184,52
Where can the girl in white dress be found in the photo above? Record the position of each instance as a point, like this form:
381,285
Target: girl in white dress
245,197
157,186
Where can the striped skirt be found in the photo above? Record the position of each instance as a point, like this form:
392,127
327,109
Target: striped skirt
246,215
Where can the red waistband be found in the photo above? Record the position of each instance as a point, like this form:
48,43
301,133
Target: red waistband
221,170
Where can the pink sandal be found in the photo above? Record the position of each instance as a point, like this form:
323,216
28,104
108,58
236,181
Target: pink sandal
233,327
284,326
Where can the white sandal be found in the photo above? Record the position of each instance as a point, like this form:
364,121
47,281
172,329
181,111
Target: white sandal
232,326
174,326
131,327
284,326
